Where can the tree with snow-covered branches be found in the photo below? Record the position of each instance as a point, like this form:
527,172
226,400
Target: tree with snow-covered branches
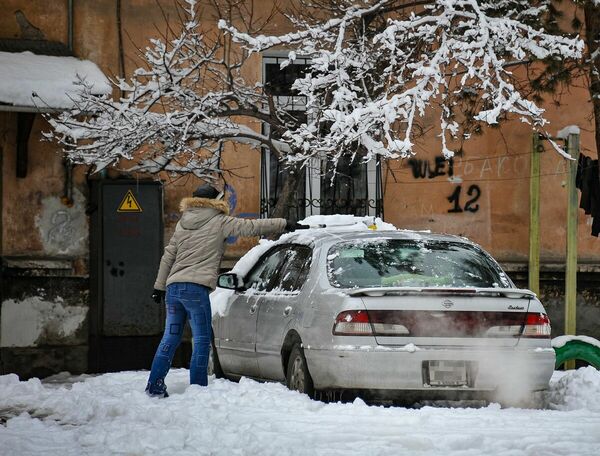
582,17
377,68
178,111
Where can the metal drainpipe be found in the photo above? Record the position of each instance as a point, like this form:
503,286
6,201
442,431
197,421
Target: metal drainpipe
67,198
70,25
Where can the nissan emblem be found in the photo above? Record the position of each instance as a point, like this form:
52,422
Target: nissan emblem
447,303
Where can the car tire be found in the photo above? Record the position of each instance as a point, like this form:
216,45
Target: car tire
214,366
297,376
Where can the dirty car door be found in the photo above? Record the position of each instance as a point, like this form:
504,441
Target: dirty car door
278,308
238,346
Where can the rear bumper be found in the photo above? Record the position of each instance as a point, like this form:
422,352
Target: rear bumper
383,368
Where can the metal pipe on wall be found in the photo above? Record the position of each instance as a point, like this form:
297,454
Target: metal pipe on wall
571,256
120,42
534,215
67,198
70,25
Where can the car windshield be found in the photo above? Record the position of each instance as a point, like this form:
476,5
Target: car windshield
409,263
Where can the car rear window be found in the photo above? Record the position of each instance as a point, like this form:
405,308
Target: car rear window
408,263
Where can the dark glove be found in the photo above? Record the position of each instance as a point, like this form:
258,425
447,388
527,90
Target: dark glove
293,226
158,296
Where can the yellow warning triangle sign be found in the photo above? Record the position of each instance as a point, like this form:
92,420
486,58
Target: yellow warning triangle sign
129,203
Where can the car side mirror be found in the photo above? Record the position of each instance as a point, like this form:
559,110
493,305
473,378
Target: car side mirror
230,281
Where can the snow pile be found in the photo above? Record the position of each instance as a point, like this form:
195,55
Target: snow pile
560,341
46,81
576,390
219,297
347,222
411,348
26,322
245,263
110,414
218,301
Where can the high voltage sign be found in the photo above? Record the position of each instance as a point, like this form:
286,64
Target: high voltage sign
129,203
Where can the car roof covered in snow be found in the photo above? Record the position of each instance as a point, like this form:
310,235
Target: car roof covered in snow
330,235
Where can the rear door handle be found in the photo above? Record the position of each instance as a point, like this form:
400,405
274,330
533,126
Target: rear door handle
287,311
253,308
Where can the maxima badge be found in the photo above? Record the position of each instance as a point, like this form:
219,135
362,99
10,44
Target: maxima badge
447,303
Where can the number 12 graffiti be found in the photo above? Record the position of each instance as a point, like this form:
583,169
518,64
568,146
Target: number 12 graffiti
474,192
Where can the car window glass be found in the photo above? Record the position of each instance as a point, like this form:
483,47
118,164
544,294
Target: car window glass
296,268
408,263
261,277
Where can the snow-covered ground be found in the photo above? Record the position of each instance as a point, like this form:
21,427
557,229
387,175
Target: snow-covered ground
110,414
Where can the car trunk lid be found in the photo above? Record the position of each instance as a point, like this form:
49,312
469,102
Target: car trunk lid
446,316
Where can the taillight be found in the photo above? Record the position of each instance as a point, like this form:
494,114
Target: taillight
537,325
353,323
390,329
504,331
441,324
388,323
364,323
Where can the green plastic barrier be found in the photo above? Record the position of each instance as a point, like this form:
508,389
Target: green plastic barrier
577,349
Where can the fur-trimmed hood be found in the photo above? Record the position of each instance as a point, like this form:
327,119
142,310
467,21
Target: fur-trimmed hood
198,211
192,202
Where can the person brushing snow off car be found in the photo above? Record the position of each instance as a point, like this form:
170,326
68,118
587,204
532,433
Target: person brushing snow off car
188,272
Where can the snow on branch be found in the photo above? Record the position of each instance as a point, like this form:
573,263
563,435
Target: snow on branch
381,72
380,68
173,114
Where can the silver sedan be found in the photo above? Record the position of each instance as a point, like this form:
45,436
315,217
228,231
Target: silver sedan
385,313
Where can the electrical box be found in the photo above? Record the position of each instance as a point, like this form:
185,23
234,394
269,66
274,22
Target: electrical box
126,244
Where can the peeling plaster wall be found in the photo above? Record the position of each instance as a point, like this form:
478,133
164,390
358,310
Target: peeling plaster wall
43,322
36,321
35,221
44,288
63,230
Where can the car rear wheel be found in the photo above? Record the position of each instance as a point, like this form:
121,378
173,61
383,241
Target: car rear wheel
298,378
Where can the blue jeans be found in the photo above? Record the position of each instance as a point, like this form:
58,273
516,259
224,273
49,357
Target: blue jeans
184,301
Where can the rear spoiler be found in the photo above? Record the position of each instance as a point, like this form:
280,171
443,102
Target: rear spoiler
382,291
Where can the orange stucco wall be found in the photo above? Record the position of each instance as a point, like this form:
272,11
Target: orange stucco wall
496,162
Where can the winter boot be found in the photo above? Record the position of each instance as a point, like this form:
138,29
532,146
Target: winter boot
159,389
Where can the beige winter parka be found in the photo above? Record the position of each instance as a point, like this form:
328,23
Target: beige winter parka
195,250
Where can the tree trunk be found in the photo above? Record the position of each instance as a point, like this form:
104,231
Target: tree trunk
288,196
592,40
